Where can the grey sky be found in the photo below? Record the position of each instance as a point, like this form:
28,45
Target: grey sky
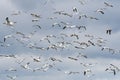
20,46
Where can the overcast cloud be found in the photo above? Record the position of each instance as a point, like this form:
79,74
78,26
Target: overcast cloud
30,40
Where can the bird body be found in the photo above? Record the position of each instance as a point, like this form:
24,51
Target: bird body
8,22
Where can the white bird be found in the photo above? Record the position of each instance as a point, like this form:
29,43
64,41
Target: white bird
81,55
107,4
35,15
11,69
71,72
54,59
54,24
7,36
75,59
87,71
75,9
113,69
26,66
36,59
100,11
74,35
12,77
35,20
36,69
8,22
108,31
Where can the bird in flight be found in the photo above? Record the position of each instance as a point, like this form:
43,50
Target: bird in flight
108,31
8,22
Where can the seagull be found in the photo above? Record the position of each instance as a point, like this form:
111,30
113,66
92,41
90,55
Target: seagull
100,11
71,72
36,69
93,18
54,24
107,4
35,15
11,69
82,2
8,22
82,55
91,42
73,58
54,59
67,14
35,20
46,66
110,69
12,77
87,71
75,9
36,59
74,35
37,26
81,27
58,12
7,36
26,66
108,31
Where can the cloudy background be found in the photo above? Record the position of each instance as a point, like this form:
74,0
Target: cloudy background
20,47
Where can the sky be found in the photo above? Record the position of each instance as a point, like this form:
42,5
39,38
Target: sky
38,46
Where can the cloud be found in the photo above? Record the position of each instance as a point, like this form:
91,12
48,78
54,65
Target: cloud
95,28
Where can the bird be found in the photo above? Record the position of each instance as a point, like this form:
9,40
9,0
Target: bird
71,72
35,20
91,42
87,71
58,12
36,59
8,22
26,66
54,24
107,4
73,58
75,9
110,69
81,55
82,2
35,15
108,31
37,26
7,36
100,11
12,77
54,59
11,69
74,35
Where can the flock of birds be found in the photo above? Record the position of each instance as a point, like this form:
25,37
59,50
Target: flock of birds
57,43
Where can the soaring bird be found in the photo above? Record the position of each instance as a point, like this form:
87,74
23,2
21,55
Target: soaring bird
108,31
101,10
75,9
35,15
12,77
87,71
8,22
107,4
7,36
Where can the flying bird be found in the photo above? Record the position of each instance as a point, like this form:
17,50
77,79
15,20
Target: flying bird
7,36
108,31
8,22
107,4
75,9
